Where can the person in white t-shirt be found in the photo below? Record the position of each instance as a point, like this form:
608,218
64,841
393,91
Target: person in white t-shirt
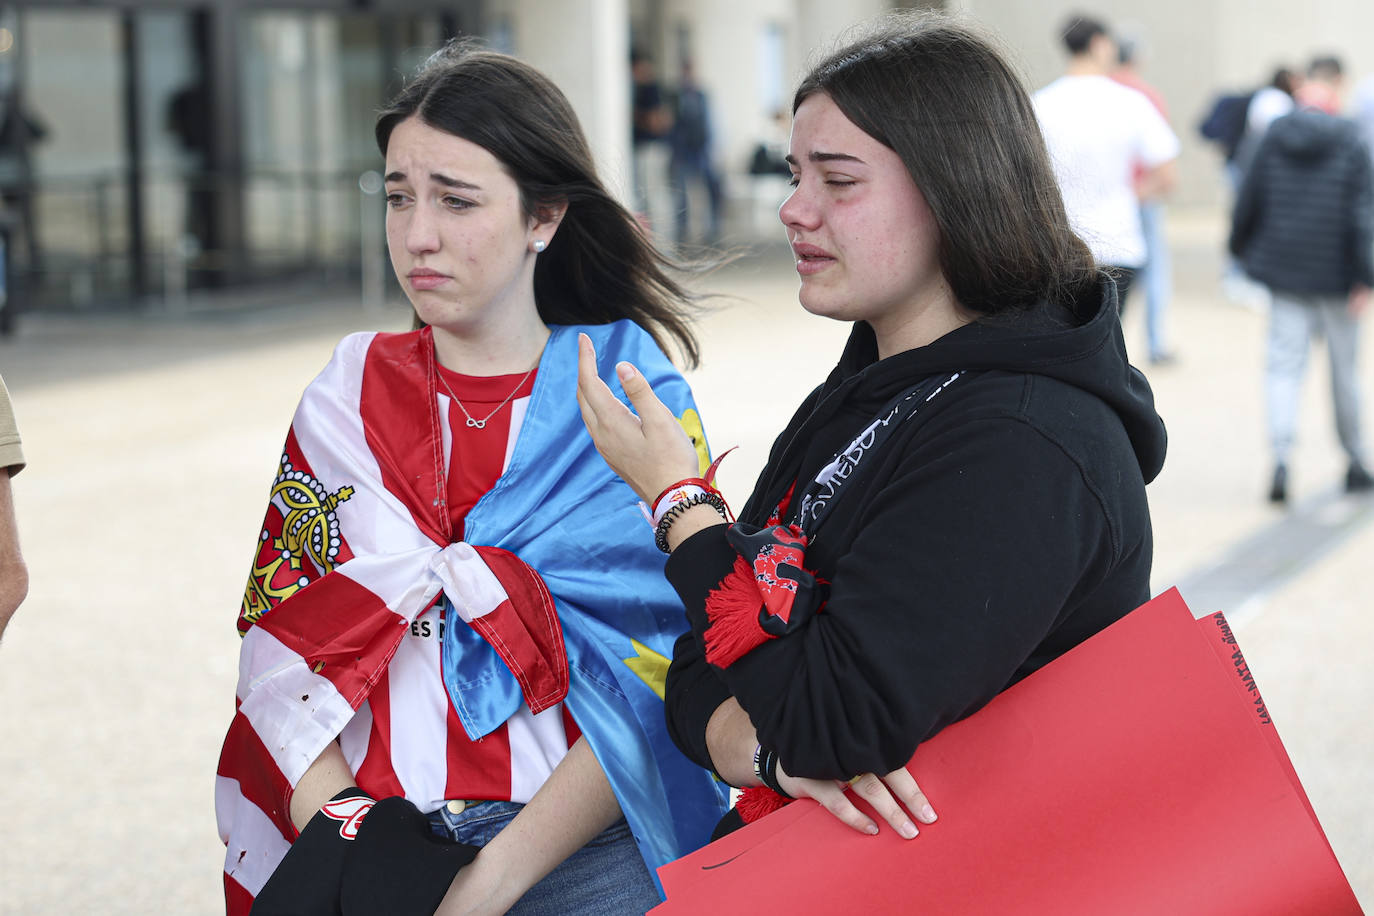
1110,148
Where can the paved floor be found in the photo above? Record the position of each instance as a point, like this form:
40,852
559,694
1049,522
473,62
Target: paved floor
152,441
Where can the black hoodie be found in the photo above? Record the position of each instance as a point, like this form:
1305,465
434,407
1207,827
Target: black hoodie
1304,215
999,527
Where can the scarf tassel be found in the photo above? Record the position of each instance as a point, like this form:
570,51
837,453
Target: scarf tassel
757,802
733,609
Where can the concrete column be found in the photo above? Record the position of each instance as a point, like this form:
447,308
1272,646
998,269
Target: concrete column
584,47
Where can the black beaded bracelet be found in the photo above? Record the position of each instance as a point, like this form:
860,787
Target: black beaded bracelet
705,498
766,769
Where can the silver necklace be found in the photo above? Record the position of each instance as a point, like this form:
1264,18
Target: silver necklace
482,423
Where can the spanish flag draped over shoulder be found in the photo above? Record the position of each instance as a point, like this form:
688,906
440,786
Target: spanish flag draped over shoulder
355,546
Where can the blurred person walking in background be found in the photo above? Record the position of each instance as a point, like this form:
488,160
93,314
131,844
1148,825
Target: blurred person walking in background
1262,107
1269,103
1110,149
651,126
1237,120
1303,225
1157,275
14,575
990,440
692,140
454,635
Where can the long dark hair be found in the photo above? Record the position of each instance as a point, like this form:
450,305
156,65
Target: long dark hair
941,96
599,267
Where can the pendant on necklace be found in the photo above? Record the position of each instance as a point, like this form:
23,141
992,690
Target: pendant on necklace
479,424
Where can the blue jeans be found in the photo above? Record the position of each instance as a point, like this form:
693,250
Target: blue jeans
607,876
1158,278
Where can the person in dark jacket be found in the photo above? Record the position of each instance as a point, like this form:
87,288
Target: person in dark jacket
1303,225
961,501
693,153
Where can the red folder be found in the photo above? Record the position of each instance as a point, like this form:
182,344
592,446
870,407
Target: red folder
1139,773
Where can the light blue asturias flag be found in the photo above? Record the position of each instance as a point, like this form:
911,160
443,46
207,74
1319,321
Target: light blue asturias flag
561,509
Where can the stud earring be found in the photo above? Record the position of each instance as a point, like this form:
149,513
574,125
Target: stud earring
540,245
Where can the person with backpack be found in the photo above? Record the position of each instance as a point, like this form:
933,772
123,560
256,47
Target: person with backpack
1267,105
1224,123
1236,123
1237,120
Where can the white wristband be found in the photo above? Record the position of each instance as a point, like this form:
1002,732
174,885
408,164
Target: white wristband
672,498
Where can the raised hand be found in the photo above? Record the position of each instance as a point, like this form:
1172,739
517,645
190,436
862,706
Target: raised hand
647,447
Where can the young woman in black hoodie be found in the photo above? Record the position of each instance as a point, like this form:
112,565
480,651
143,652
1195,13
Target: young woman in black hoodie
961,501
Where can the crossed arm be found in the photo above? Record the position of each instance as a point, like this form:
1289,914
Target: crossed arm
650,452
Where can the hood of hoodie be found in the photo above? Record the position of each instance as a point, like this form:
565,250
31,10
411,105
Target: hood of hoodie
1308,134
1087,352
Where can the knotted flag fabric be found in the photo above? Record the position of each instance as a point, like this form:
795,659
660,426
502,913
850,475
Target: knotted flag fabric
556,591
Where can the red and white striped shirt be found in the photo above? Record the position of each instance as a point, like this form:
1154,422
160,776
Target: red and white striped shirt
406,738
